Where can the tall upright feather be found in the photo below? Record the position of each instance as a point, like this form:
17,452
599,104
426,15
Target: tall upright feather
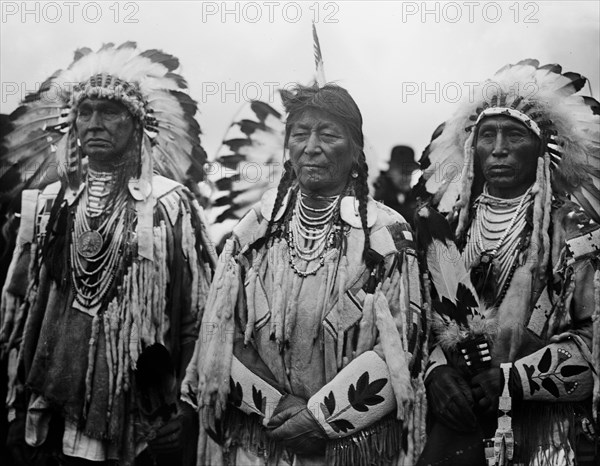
320,70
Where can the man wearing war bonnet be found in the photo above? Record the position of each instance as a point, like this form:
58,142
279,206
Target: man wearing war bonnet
518,383
111,266
311,346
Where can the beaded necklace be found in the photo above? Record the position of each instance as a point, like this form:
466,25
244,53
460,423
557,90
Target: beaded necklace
311,232
95,254
495,235
99,186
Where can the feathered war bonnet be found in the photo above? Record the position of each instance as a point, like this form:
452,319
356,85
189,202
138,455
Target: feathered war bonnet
42,146
544,99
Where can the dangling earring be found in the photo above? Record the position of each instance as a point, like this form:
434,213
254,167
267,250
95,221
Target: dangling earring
354,174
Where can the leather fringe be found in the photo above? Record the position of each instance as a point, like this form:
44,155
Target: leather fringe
248,433
378,445
543,424
596,347
373,446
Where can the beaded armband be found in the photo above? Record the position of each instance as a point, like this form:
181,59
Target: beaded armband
250,393
357,397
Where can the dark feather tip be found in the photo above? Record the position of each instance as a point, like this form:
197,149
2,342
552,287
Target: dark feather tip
263,110
430,225
248,126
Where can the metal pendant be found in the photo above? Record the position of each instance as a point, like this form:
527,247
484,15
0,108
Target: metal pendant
89,243
486,258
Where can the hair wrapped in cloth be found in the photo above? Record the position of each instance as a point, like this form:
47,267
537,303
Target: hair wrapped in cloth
337,102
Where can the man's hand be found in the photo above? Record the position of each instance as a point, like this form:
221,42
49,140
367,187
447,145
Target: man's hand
486,388
450,399
293,425
173,435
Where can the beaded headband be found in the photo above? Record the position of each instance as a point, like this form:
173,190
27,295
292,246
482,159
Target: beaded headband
546,100
107,86
510,112
43,146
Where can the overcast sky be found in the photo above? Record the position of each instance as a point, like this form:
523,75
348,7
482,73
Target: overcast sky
405,63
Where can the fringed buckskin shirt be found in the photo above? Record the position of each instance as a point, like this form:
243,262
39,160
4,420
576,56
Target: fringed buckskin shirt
549,328
80,363
268,332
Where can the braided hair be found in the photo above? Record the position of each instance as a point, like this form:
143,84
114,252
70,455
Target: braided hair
287,178
337,102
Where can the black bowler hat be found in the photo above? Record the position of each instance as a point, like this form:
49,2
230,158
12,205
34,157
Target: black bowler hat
403,157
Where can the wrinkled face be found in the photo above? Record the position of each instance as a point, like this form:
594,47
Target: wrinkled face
507,153
105,128
320,150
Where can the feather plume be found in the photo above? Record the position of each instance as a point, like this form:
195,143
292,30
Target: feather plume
458,303
320,70
250,159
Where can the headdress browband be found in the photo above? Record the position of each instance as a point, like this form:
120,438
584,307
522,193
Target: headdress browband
106,86
546,100
511,112
146,82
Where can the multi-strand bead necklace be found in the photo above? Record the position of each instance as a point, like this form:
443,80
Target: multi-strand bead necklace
311,232
96,250
495,235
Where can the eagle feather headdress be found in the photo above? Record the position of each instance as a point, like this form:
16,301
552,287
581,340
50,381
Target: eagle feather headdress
548,101
568,124
37,150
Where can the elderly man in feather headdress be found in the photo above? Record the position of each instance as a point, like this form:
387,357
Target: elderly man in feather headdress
518,344
111,265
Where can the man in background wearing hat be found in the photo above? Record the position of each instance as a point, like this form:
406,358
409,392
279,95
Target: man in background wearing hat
393,186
